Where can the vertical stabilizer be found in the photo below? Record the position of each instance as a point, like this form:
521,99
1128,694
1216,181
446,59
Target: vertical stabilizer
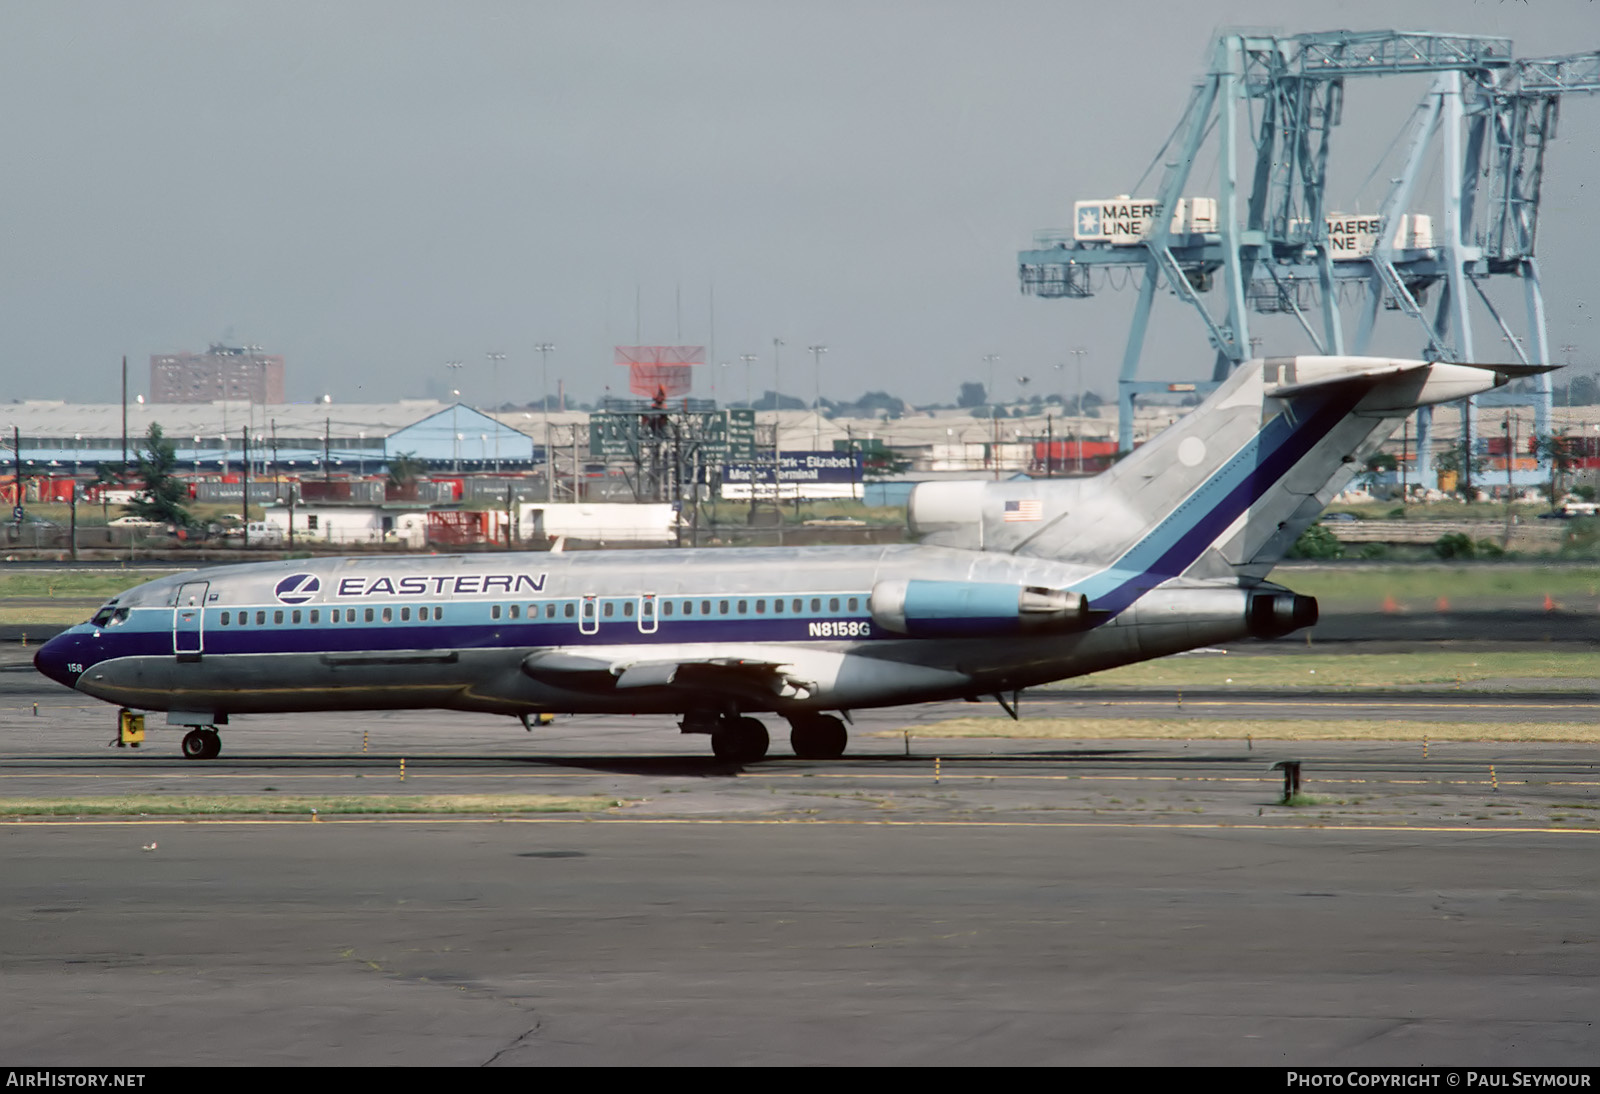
1224,491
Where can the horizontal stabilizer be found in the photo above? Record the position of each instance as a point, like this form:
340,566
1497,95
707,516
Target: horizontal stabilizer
1321,383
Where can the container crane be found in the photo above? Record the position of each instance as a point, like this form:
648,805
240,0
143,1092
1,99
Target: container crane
1283,250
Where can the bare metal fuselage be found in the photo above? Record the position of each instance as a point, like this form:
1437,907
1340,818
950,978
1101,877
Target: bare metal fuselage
580,633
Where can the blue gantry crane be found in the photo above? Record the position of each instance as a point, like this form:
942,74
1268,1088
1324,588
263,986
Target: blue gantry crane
1270,242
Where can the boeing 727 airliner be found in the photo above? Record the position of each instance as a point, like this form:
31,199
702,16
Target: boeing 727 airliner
1014,584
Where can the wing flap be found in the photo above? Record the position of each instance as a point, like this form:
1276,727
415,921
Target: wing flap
586,672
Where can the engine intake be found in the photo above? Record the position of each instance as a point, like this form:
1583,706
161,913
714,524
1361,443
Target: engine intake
1273,615
942,609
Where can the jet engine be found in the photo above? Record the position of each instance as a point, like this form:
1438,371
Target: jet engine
944,609
1273,615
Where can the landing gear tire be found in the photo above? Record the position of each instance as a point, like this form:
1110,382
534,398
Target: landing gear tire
740,741
820,737
201,744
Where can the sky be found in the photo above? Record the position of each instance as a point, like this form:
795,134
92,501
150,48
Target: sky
372,189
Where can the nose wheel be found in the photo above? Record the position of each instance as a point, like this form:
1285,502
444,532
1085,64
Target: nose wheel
201,744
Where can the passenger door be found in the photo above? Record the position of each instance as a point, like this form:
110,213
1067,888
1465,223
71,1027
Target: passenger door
188,620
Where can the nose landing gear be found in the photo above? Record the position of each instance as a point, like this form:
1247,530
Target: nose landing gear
202,743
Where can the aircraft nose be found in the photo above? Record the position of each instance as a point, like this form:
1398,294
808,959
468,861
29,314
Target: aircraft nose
57,659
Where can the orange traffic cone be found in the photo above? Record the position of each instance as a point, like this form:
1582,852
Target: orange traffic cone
1549,605
1389,605
1444,604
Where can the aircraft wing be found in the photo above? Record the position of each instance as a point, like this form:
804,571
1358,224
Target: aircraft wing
587,672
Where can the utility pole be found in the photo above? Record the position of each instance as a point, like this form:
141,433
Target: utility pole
244,487
543,349
124,471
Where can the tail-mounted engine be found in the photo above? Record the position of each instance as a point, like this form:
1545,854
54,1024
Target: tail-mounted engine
945,609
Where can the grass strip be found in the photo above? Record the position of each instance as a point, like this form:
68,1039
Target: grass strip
162,805
1352,670
1234,729
98,585
1420,587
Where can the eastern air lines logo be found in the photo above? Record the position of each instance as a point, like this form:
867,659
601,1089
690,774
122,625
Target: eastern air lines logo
297,588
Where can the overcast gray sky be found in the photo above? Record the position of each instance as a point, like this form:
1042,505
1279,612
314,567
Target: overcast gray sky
374,188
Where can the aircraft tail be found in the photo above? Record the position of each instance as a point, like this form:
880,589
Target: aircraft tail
1225,491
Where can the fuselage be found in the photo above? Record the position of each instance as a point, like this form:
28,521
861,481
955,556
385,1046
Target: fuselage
555,632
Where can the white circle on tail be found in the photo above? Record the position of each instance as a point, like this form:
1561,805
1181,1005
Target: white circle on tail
1191,451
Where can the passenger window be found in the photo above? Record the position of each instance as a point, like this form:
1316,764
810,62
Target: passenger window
761,607
294,617
261,619
777,604
722,607
494,612
316,615
515,611
688,607
833,603
405,615
388,615
666,607
225,618
569,612
627,608
816,603
369,615
438,614
798,603
853,603
608,609
550,611
705,607
742,607
277,617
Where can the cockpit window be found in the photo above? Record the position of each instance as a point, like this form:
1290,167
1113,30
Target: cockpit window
103,616
118,616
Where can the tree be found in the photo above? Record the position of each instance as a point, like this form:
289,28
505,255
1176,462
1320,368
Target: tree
404,468
163,494
1316,542
1558,452
972,394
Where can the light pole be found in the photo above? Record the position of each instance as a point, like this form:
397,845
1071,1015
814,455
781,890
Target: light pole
1078,354
777,414
543,349
816,391
494,383
749,359
456,451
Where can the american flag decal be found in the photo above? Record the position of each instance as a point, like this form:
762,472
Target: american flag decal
1027,509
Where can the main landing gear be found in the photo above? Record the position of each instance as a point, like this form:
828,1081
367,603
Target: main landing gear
817,736
741,739
202,743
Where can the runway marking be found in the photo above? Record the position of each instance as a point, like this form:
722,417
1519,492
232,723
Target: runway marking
1165,826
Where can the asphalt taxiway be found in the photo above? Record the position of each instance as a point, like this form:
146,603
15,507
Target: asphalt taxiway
920,901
